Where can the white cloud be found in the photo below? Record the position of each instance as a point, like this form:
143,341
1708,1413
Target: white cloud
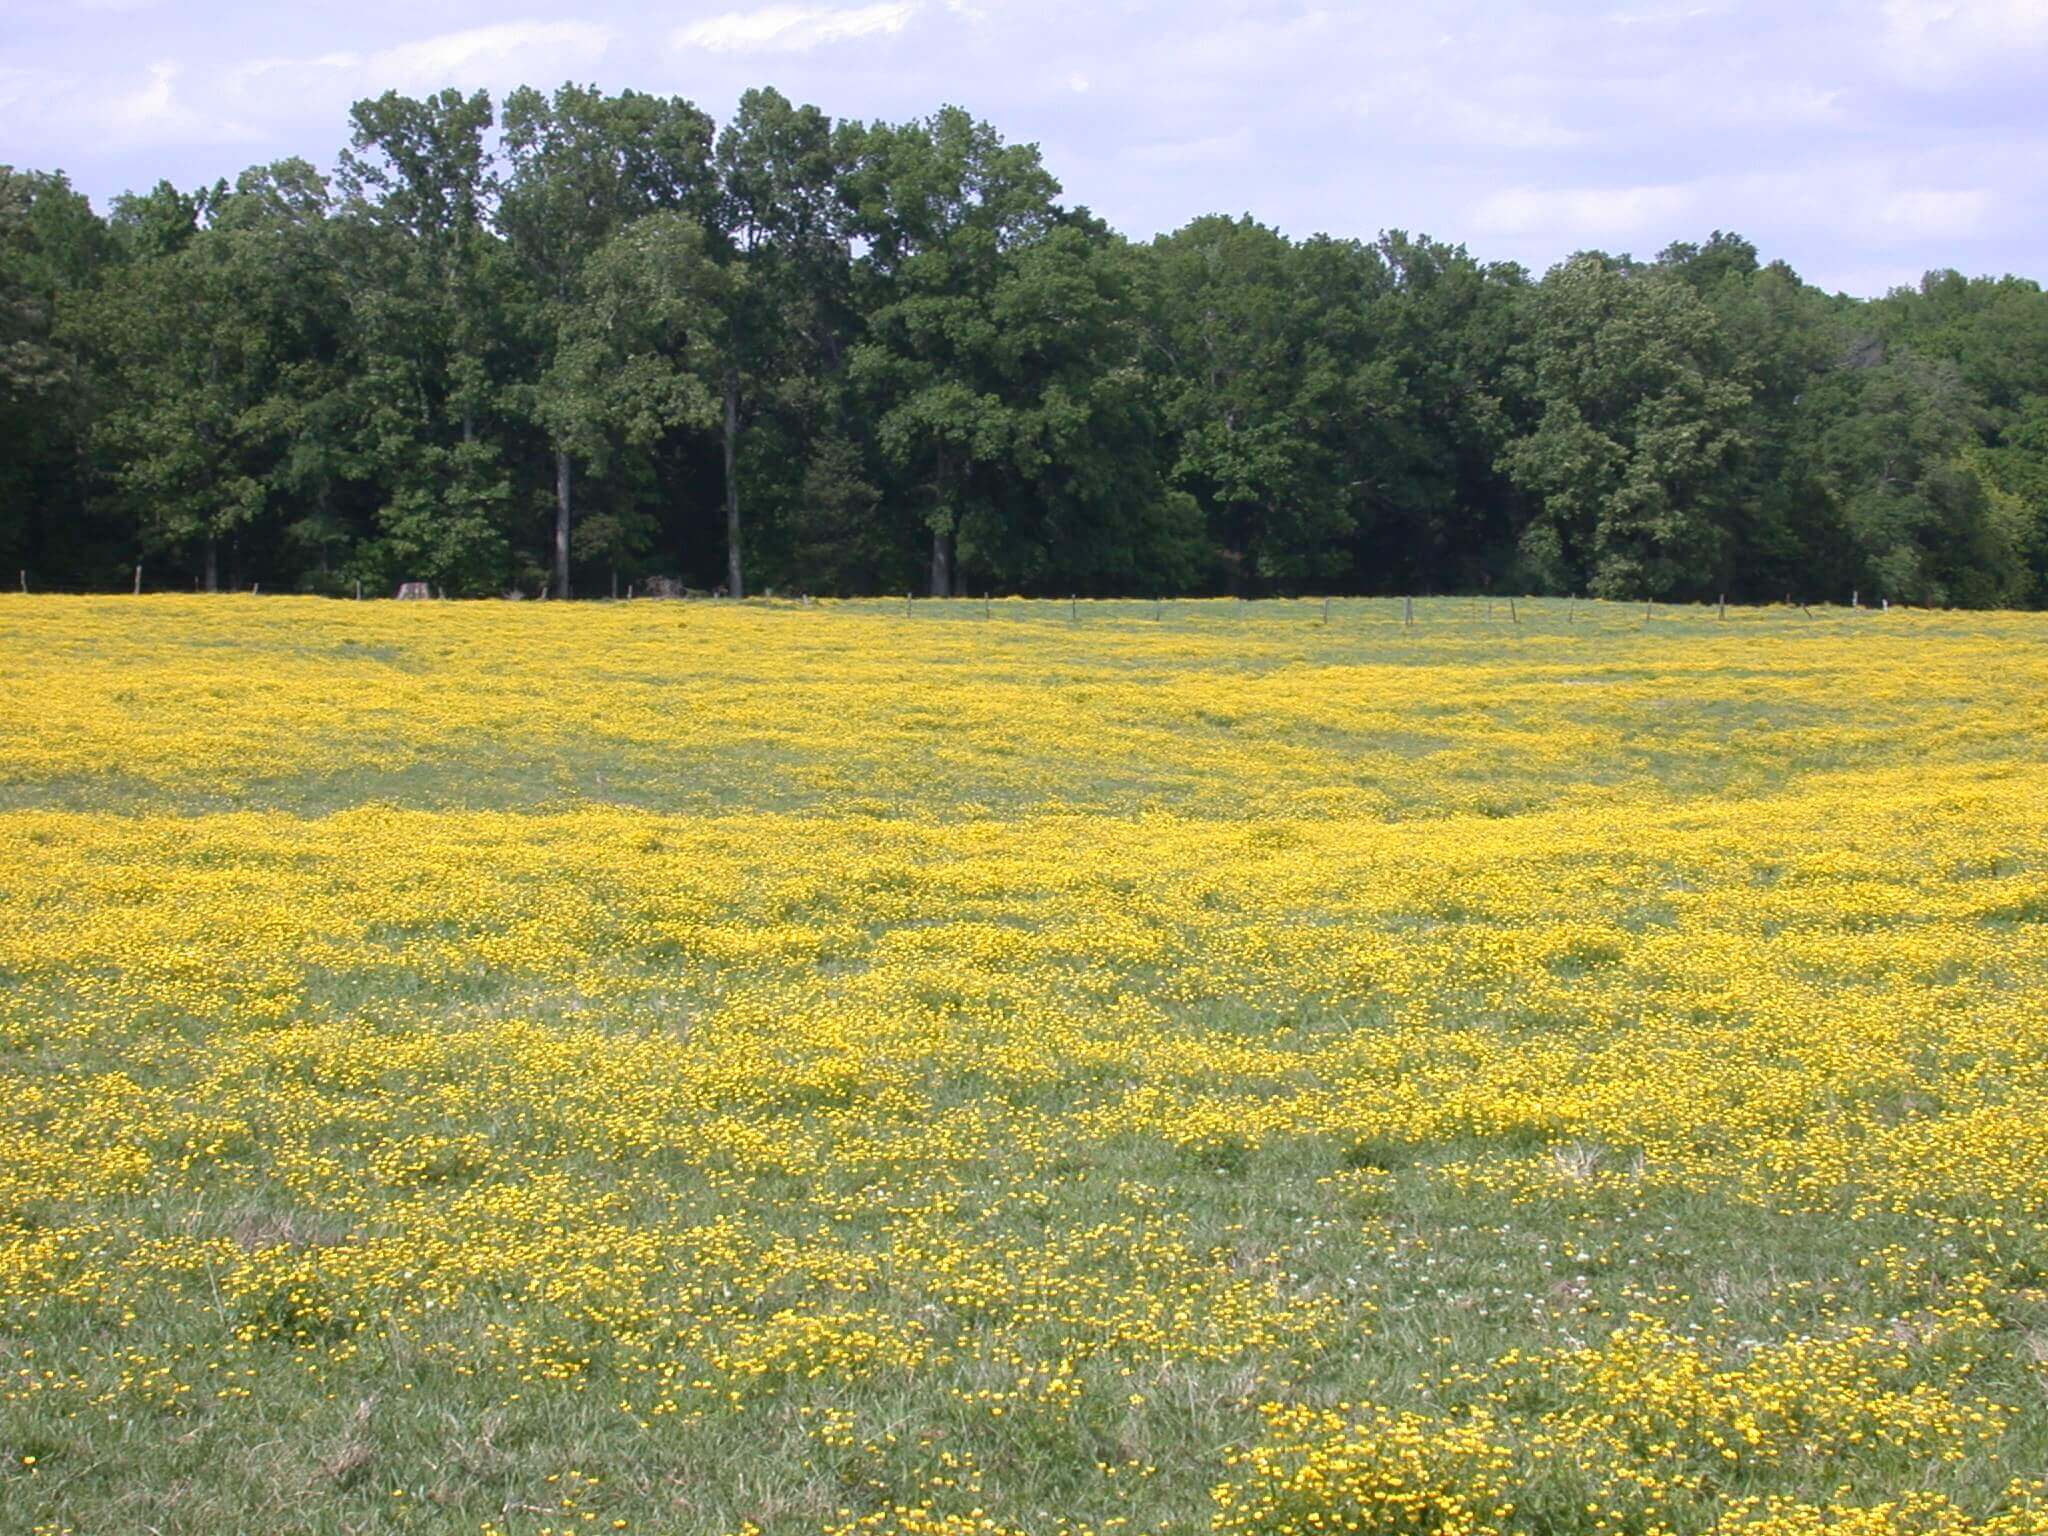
288,81
1788,102
792,28
1943,42
154,103
31,92
1942,213
1892,199
1257,42
1662,18
245,101
1853,137
1894,208
495,57
119,113
491,55
1204,151
1584,213
1415,104
156,112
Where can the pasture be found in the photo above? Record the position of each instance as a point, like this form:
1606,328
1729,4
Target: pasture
749,1070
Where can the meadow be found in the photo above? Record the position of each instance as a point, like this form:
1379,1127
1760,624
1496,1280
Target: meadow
760,1069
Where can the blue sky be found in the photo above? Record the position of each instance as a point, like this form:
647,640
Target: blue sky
1863,142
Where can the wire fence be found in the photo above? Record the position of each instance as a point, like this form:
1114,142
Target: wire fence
1408,611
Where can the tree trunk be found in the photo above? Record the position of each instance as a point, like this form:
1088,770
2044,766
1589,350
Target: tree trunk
942,528
326,503
561,524
733,582
212,565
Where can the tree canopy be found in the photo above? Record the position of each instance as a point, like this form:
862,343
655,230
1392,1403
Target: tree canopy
577,338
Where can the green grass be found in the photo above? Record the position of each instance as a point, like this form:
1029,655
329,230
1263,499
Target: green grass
1607,783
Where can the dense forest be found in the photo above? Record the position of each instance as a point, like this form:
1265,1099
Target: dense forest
578,341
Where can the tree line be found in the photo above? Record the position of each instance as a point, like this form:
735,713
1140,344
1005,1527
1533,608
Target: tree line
578,339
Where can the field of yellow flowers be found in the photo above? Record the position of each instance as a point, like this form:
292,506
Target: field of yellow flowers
745,1069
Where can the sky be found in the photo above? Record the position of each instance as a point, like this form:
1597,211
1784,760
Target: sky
1863,142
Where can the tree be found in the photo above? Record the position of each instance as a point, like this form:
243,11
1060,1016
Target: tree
847,356
203,343
583,167
52,246
1641,420
278,219
782,225
1917,524
1249,382
1778,528
943,205
1444,324
431,295
159,222
1075,501
639,351
1995,330
2015,472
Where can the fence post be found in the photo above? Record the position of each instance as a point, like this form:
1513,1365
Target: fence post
906,605
1721,608
1571,604
1158,608
1513,616
359,589
984,604
1073,607
24,583
255,589
1407,613
1854,596
138,580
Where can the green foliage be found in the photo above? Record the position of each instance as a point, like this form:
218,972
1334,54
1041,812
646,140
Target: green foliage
1642,406
52,246
1914,511
208,356
1249,375
631,361
583,168
435,307
947,209
593,332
